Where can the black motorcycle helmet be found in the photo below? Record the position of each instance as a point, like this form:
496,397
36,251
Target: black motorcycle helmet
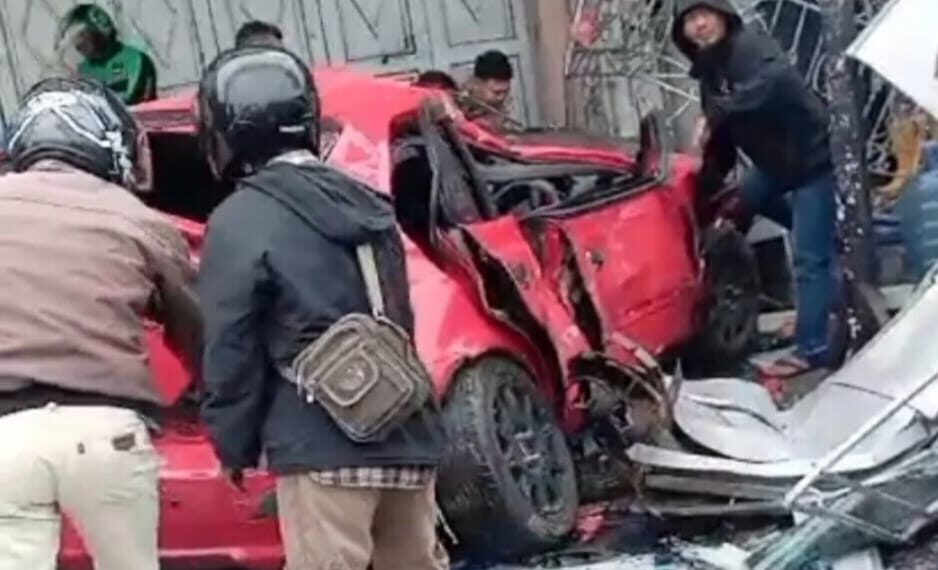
255,103
79,122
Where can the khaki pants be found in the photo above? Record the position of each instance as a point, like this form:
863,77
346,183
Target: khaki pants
97,465
338,528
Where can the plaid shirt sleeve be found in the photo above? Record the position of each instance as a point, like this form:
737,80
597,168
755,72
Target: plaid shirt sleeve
399,478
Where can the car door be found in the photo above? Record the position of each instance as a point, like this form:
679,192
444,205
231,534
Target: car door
633,244
637,265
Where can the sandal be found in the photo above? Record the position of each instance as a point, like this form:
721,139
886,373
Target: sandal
781,337
786,367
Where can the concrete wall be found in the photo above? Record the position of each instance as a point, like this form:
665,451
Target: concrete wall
550,27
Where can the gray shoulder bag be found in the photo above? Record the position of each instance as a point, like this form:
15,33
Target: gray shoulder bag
364,369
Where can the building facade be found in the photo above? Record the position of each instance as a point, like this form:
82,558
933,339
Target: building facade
382,36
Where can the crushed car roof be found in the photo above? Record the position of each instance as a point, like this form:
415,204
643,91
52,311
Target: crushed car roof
371,101
368,108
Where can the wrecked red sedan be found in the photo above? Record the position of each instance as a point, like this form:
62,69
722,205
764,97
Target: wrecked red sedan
547,269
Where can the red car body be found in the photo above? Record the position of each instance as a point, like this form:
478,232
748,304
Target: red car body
638,258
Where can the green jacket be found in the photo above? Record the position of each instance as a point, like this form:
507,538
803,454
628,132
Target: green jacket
129,72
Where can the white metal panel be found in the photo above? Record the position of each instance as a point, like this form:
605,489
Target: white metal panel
473,21
383,36
29,35
166,30
901,45
302,36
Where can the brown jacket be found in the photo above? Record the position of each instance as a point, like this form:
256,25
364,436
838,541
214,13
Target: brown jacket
82,263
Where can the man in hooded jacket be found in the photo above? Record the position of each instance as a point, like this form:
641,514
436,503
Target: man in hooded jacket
756,102
278,268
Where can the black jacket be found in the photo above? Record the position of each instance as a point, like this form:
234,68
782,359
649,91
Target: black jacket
754,101
269,284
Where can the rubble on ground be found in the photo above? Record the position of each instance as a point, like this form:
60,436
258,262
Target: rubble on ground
846,478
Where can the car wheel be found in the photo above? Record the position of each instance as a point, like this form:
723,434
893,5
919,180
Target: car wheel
731,314
507,485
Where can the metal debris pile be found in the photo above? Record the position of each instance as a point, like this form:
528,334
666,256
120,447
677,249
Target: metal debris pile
845,474
846,478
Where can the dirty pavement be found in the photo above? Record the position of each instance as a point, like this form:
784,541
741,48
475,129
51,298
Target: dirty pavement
588,355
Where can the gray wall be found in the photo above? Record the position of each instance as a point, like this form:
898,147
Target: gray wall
385,36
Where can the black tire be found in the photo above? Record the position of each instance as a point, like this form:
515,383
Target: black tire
502,507
729,323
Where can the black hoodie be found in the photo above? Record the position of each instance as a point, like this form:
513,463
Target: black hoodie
755,101
278,268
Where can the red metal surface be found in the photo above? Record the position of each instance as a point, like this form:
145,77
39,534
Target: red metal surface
452,328
638,266
204,522
503,240
369,107
646,287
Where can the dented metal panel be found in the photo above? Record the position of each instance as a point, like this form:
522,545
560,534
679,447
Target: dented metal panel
619,249
505,245
750,437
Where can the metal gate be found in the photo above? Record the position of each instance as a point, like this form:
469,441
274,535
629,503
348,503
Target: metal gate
622,49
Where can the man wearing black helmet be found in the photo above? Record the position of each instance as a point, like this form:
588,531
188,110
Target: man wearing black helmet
279,268
84,263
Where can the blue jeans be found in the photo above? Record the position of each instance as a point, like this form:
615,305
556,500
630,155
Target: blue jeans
810,213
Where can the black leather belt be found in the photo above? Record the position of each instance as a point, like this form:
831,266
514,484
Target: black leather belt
37,396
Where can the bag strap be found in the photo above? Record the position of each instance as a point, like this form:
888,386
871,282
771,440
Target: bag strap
369,268
365,252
